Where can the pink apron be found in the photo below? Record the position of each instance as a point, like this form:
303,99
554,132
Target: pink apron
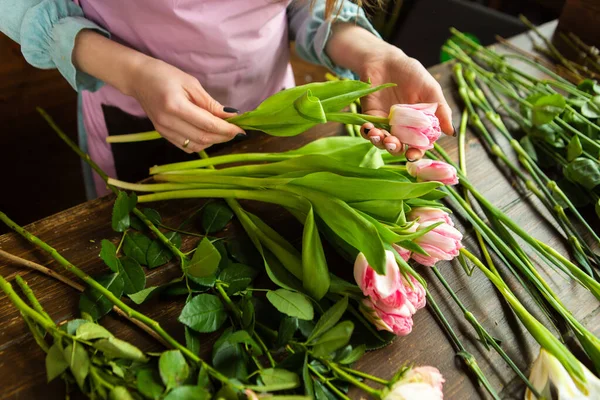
238,50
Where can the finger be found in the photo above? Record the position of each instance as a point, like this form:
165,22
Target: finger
182,143
201,98
393,145
376,137
413,154
206,121
186,130
365,129
444,114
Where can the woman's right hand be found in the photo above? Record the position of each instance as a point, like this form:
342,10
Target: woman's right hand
180,108
175,102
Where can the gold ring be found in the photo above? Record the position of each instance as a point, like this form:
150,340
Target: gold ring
186,143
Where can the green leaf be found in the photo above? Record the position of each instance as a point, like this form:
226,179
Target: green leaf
215,217
597,208
56,363
315,274
237,277
244,337
591,108
79,362
229,359
158,254
91,331
151,214
203,378
322,392
134,278
123,206
205,260
144,294
574,148
275,379
148,384
136,246
113,347
287,328
120,393
589,86
95,303
291,303
173,368
204,313
192,340
108,254
329,319
309,107
583,171
354,355
546,108
335,338
248,315
309,389
71,326
188,392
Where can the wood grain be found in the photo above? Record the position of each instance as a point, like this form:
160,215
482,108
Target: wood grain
77,233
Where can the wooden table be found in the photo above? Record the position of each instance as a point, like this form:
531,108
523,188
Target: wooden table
77,233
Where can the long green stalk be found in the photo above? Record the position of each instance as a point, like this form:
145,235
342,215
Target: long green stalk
220,160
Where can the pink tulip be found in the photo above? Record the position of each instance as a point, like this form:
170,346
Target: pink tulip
402,252
387,290
421,383
426,170
396,320
415,292
441,243
415,125
429,214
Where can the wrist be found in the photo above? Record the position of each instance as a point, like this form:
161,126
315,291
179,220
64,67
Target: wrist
351,46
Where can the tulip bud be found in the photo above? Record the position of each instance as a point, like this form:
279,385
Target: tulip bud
385,289
421,383
549,375
441,243
396,320
429,214
402,252
415,125
426,170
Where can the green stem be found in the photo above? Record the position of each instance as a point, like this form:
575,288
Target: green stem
366,376
219,160
24,308
134,137
328,383
485,337
351,379
31,297
130,312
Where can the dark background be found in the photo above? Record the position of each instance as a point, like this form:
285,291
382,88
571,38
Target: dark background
41,176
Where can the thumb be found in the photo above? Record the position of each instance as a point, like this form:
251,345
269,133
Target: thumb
201,98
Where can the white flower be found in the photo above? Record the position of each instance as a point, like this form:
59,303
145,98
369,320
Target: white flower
548,375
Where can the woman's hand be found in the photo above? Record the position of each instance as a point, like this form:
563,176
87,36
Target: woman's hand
414,85
359,50
180,109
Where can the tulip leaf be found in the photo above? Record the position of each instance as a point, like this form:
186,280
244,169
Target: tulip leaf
310,108
315,274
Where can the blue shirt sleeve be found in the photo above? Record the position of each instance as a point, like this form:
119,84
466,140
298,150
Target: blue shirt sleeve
46,31
311,31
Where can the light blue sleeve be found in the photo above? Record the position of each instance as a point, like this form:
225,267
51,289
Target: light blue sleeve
46,31
311,30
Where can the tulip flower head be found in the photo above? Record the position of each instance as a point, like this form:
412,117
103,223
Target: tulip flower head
429,214
426,170
402,252
392,299
421,383
415,125
549,375
440,243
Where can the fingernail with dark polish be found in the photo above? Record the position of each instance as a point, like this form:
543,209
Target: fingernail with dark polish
231,110
454,131
240,135
366,130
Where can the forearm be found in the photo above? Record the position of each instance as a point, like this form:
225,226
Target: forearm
107,60
350,45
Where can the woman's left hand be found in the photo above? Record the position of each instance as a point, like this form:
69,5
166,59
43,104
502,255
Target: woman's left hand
414,85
